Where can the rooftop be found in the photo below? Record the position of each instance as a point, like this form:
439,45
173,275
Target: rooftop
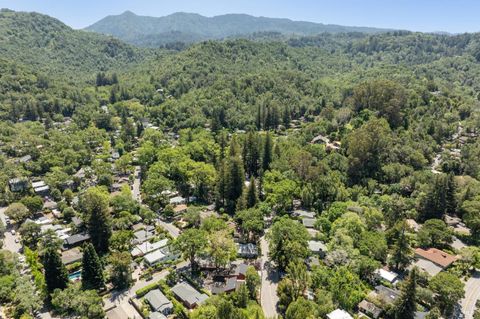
436,256
158,301
187,293
339,314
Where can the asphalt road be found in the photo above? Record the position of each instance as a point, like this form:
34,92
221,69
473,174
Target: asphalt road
172,229
270,279
9,239
136,185
472,294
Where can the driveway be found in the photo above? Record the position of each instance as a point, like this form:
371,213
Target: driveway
472,294
270,279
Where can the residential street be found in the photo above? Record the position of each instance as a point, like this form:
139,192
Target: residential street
270,279
172,229
136,185
472,294
9,239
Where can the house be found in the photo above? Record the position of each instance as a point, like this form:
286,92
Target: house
179,209
71,256
159,303
160,256
309,222
177,200
50,205
367,308
386,275
320,139
387,295
188,295
227,286
40,188
145,248
303,213
25,159
339,314
143,235
156,315
241,271
18,184
76,221
433,260
118,313
76,240
317,247
413,224
247,250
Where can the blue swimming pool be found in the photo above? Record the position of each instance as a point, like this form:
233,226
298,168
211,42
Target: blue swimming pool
75,276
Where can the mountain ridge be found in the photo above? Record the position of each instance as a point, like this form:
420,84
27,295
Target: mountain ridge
151,31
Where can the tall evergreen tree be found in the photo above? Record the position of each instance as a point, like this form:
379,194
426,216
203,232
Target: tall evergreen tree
251,154
434,205
92,272
406,305
56,276
267,152
220,193
450,201
234,180
95,204
401,252
251,199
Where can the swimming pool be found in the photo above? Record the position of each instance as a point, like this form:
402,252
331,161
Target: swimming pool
75,276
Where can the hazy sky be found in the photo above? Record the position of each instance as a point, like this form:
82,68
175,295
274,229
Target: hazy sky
419,15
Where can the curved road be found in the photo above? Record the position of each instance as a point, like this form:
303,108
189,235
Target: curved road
472,294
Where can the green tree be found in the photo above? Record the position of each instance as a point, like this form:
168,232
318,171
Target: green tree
401,253
234,180
449,289
267,152
92,272
33,203
121,270
222,248
302,309
95,205
405,307
252,281
251,196
56,276
191,243
288,240
26,299
450,195
435,233
68,195
31,233
74,302
17,212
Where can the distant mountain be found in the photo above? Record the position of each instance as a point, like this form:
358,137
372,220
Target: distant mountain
46,44
190,27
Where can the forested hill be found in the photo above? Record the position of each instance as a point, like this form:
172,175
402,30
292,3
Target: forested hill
189,27
47,44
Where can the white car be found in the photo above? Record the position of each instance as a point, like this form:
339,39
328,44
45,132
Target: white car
13,232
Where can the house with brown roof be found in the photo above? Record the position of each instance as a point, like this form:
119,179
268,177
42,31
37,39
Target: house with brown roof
433,260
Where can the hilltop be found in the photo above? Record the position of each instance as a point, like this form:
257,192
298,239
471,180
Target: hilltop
190,27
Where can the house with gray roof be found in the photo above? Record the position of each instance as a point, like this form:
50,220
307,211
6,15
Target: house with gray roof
188,295
159,302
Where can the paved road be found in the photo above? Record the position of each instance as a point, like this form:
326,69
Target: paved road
172,229
9,239
136,185
270,279
472,294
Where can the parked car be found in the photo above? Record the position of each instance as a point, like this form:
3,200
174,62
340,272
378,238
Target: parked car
13,232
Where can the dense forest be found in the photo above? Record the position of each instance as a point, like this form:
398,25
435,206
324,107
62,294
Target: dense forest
368,131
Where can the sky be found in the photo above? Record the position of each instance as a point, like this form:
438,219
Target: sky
454,16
